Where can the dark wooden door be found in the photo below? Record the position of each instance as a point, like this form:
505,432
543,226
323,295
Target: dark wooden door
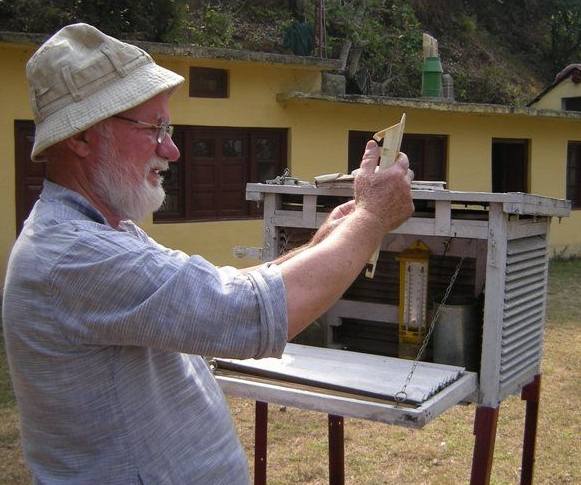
29,174
427,154
510,165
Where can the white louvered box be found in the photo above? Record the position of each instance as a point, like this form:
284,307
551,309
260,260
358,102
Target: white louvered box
503,238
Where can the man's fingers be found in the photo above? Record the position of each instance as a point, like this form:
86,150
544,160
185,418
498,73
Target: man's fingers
346,208
370,158
402,161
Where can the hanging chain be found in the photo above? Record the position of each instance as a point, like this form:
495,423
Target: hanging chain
401,396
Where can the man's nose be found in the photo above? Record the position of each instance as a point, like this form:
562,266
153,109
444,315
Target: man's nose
168,150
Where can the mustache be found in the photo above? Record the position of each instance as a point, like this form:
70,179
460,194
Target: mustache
158,164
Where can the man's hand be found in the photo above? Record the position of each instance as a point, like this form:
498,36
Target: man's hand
316,276
336,217
384,195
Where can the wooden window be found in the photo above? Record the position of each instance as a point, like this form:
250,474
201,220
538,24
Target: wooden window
29,174
427,153
571,104
208,83
574,174
209,180
510,162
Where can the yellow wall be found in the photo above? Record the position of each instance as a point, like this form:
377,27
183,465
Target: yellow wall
552,100
317,135
15,106
320,145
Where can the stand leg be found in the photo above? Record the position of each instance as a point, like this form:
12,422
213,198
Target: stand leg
485,435
531,394
336,451
260,438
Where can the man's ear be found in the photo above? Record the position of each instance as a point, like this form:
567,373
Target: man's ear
82,143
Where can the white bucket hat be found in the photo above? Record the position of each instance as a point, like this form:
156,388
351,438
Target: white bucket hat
81,76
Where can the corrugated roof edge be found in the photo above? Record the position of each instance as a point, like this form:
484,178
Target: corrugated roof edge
198,52
425,104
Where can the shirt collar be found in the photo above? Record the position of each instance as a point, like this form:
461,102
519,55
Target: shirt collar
53,192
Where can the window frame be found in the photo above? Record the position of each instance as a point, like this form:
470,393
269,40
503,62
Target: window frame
201,75
525,180
571,103
358,138
574,185
185,136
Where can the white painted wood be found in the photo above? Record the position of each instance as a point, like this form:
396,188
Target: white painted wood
443,217
526,227
355,407
471,229
271,235
458,228
375,375
493,308
310,211
255,196
376,312
542,207
513,203
284,218
516,384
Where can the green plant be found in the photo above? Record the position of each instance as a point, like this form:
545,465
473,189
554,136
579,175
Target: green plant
389,34
212,28
565,43
147,19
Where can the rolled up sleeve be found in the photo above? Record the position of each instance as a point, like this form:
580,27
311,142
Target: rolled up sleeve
118,291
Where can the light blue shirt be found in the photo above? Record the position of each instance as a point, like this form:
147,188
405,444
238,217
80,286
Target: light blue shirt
98,323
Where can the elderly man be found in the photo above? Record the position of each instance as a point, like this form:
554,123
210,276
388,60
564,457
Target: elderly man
104,327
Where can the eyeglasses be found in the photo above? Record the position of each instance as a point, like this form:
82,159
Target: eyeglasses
163,129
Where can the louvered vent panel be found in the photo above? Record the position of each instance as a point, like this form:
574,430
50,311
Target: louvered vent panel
524,306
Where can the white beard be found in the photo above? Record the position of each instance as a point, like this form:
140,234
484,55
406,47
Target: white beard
129,195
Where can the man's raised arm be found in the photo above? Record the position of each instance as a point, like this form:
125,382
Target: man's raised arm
316,277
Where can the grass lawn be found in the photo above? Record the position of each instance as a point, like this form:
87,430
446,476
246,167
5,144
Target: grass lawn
440,453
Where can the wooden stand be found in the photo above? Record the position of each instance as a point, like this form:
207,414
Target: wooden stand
485,422
336,450
485,435
531,393
260,442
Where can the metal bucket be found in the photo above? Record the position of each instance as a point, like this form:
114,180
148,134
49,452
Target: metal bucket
456,336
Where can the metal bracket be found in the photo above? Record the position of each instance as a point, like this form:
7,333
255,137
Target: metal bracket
284,179
247,252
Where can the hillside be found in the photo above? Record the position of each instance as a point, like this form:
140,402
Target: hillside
497,51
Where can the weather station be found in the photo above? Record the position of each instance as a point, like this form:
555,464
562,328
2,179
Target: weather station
450,310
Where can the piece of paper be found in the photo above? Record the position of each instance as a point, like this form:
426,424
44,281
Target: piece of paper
392,138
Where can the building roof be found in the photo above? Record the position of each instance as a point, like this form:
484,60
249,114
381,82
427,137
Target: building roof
192,51
428,104
570,70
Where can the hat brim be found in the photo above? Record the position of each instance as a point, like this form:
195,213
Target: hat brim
125,93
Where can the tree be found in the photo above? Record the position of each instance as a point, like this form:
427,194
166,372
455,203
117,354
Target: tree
565,33
146,19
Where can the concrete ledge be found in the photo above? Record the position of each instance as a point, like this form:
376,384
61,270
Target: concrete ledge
427,104
192,51
333,84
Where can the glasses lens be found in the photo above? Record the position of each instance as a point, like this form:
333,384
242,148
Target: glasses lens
165,129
